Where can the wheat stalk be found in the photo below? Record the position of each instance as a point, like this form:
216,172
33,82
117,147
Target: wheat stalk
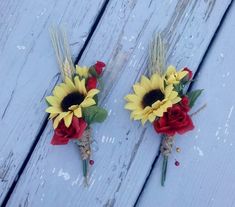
63,55
157,56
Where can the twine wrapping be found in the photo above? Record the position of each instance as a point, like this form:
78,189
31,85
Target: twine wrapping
84,144
166,145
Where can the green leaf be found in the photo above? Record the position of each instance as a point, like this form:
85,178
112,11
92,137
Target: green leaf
193,95
179,87
94,114
93,72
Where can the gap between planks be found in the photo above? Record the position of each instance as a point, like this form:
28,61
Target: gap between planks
189,89
45,121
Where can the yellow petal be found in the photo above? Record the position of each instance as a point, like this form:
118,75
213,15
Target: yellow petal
73,107
92,93
151,117
168,90
157,81
176,100
59,118
59,92
68,119
88,102
145,82
56,122
170,70
53,110
52,116
78,112
52,100
80,85
132,106
82,71
132,98
159,112
143,120
83,87
69,84
182,74
139,90
173,95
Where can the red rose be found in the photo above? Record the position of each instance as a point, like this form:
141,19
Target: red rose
184,103
62,134
190,73
175,120
99,67
91,83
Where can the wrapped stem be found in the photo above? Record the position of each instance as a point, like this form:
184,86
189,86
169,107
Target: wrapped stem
166,148
84,145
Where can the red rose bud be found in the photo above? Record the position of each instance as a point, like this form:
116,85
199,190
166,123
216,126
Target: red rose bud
190,73
99,67
62,134
184,103
91,83
175,120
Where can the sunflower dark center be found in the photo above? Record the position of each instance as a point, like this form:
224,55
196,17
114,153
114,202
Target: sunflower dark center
151,97
74,98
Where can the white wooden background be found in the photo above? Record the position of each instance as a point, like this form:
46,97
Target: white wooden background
124,151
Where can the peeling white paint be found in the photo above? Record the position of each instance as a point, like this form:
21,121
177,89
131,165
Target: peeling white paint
21,47
63,174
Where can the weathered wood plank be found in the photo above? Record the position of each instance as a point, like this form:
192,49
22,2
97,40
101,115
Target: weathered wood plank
206,174
125,150
28,70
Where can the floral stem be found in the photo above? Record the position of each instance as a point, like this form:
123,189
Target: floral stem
166,148
164,169
85,171
84,144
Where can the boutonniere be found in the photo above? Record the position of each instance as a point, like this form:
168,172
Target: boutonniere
161,98
73,105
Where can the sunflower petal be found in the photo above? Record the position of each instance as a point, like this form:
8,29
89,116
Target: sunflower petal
53,110
176,100
132,98
78,112
52,100
91,93
88,102
59,118
68,119
132,106
146,83
156,81
139,90
80,85
69,83
59,92
73,107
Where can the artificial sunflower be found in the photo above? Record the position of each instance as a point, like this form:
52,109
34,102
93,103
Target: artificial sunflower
174,77
68,100
150,98
83,72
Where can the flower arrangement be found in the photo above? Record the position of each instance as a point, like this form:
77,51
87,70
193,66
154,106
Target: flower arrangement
73,105
162,100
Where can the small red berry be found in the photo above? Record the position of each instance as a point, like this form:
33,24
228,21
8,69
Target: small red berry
91,162
177,163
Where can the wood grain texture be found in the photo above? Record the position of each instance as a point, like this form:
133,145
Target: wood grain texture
124,151
206,174
28,70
